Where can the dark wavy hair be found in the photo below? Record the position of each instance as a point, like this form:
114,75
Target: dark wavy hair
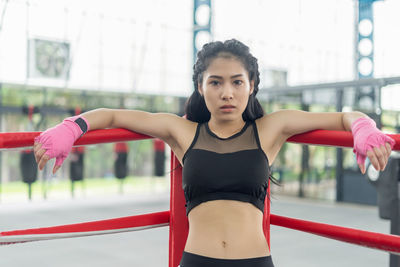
195,107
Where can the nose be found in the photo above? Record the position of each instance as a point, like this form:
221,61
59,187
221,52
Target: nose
227,92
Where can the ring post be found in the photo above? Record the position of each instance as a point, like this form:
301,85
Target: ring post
178,222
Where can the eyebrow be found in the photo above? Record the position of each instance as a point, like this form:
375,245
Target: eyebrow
220,77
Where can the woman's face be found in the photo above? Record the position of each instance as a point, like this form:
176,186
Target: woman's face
226,88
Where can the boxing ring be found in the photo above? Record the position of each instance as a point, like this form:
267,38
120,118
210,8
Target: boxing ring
176,218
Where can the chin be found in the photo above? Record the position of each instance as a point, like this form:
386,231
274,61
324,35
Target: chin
229,117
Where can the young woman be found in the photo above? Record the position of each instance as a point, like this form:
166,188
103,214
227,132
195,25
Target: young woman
226,147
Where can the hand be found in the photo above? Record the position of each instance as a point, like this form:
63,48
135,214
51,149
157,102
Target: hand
372,143
56,143
378,156
42,156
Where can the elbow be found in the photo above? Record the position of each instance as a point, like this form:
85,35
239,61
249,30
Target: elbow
107,115
111,117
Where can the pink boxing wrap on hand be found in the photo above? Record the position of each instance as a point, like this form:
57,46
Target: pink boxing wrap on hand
366,136
58,140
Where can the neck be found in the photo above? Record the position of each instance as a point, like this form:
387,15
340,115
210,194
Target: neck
226,128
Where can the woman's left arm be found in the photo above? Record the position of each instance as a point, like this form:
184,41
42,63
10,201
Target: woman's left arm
368,140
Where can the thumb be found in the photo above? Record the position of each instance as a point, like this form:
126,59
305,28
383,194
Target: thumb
57,165
390,140
361,162
55,169
362,168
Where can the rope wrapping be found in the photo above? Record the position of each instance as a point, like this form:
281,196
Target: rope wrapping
109,226
385,242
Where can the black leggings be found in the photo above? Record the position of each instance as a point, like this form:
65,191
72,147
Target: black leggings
195,260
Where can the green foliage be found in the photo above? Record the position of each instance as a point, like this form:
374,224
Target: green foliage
92,186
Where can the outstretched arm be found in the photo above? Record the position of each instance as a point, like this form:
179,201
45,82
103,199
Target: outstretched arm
57,142
368,140
299,121
158,125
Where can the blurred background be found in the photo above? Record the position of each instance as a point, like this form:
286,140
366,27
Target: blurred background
60,58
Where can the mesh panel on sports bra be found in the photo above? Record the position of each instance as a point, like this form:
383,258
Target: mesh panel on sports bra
234,168
243,140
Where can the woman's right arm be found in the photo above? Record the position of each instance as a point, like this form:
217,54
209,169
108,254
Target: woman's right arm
159,125
57,142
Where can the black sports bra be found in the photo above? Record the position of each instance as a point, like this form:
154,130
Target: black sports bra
234,168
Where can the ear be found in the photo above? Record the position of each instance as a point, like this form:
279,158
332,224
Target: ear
251,87
200,87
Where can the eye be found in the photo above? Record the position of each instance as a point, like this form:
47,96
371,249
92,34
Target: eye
238,82
214,83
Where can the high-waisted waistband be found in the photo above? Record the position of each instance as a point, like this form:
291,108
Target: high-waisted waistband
195,260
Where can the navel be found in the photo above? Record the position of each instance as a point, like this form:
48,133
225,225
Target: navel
223,243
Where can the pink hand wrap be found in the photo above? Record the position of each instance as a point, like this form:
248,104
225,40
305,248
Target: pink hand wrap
58,140
366,136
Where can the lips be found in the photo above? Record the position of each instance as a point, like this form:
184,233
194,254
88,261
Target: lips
227,106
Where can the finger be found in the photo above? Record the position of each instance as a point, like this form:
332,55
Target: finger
362,168
390,140
361,162
36,147
60,160
386,155
388,148
58,163
360,158
55,169
36,139
39,154
384,151
373,159
43,161
381,158
36,144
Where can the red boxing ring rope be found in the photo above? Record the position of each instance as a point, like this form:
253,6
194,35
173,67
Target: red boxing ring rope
176,217
110,226
316,137
378,241
25,139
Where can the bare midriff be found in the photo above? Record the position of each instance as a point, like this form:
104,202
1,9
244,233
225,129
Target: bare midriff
226,229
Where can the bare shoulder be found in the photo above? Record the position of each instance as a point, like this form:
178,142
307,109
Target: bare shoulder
271,122
275,128
270,132
176,131
179,132
169,127
178,126
182,132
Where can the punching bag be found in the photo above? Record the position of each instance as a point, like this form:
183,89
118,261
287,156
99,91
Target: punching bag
159,157
121,160
76,163
76,157
27,162
28,167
